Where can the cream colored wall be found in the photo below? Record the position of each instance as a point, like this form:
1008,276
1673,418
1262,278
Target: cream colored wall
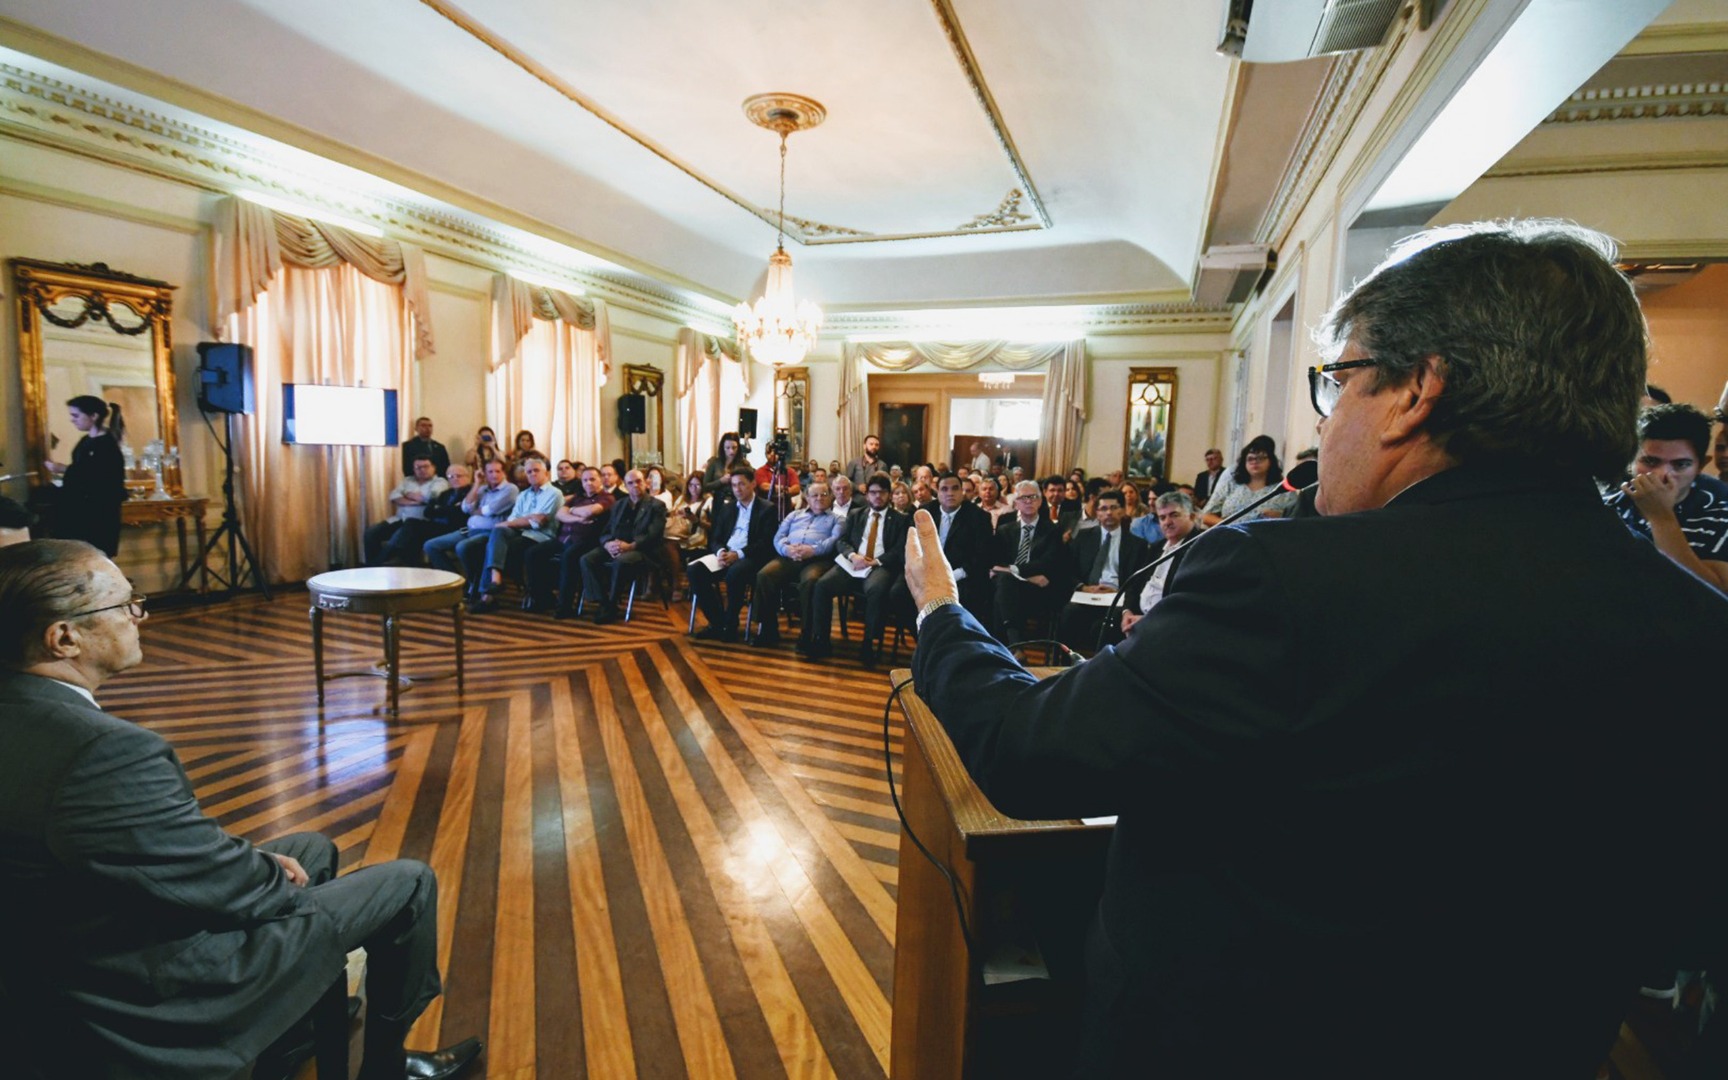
1689,337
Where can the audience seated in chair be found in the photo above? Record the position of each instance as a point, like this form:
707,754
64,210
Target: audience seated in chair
1101,559
965,533
874,546
1178,523
742,542
443,515
628,547
1030,572
530,523
553,572
804,551
410,499
464,551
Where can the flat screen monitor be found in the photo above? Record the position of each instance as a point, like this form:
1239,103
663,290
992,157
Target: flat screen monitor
338,415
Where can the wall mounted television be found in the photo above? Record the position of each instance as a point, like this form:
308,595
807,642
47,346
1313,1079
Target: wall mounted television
338,415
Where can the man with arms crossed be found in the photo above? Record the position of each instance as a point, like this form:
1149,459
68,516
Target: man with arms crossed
1366,760
139,938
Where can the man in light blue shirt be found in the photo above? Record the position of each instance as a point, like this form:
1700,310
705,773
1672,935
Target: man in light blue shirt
530,522
487,505
804,546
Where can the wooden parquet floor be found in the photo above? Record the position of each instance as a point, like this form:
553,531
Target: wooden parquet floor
655,858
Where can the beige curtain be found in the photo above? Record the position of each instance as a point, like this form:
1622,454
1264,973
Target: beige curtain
698,379
251,244
1064,408
550,355
303,506
1064,383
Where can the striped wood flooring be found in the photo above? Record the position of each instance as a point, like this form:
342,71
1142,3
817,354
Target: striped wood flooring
655,858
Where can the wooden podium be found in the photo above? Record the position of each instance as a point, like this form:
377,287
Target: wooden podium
1021,882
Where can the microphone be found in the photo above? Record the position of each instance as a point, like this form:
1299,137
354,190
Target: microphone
1303,476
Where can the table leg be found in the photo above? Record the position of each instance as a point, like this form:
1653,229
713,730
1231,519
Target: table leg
180,538
456,613
392,639
317,616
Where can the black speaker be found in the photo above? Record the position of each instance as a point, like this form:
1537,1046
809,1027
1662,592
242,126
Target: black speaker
632,414
225,378
747,423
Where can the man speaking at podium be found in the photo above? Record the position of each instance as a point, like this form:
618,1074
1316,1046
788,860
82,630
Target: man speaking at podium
1407,855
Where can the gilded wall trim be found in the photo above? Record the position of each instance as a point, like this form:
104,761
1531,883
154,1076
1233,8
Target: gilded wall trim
1689,100
1676,161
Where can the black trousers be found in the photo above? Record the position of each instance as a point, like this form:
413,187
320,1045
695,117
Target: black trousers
836,583
774,577
704,587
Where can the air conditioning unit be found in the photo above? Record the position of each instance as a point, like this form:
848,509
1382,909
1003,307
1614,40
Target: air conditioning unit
1274,31
1230,273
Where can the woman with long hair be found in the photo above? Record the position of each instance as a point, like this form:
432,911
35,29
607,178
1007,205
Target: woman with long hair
717,475
519,452
485,449
687,526
1256,469
93,486
900,498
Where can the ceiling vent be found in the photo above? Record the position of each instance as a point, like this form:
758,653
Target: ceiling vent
1274,31
1229,274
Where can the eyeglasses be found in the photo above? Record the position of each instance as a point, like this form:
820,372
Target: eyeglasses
1324,390
135,607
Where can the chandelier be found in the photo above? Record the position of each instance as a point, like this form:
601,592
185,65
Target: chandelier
996,380
779,329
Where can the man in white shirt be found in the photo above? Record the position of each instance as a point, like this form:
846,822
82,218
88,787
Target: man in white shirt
843,504
530,522
742,542
1179,523
409,498
873,544
1102,559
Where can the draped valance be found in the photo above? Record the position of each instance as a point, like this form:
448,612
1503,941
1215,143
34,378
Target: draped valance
957,355
252,243
516,304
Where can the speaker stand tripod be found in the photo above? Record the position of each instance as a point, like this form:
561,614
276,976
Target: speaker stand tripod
242,564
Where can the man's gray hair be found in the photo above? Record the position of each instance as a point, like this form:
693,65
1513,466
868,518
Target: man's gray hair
1539,338
1030,488
1174,498
41,581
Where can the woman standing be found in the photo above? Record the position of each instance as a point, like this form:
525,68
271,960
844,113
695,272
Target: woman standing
717,476
93,486
1256,469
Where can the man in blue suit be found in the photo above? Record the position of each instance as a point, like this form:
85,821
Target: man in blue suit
1365,763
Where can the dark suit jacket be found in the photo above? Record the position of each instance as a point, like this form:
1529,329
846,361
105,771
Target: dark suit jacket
968,545
425,448
1131,553
1395,749
1049,554
894,525
763,522
1203,486
139,939
642,525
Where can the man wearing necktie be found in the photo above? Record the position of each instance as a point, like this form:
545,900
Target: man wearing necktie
874,538
1029,575
1102,558
964,530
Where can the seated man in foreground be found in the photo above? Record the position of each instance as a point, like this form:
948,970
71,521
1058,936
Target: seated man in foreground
140,939
740,543
630,541
1365,758
803,552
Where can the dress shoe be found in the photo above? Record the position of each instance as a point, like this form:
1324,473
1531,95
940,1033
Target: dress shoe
564,613
766,639
867,656
816,650
604,615
442,1064
716,633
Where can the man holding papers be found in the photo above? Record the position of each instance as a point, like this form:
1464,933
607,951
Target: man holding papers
870,555
1031,573
1103,558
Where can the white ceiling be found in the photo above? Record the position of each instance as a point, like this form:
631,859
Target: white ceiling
619,124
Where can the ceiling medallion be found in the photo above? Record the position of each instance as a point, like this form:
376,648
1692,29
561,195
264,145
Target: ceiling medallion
778,329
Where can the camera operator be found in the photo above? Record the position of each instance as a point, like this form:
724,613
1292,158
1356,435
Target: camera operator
776,481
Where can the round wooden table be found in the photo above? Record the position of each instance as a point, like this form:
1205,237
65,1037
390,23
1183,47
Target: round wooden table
389,591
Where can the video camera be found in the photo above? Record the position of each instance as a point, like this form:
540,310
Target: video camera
781,445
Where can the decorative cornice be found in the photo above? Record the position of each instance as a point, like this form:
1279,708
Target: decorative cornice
1674,161
51,112
1093,320
1006,214
1349,87
824,234
1679,38
1643,103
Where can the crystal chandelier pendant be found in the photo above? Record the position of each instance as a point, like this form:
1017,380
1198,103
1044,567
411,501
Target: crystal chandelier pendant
779,329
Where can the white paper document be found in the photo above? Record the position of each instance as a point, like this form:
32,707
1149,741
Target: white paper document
844,562
1094,599
711,562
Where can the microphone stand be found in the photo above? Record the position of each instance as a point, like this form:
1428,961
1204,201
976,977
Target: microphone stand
1138,578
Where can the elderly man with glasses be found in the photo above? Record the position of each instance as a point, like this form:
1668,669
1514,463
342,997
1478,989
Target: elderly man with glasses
1374,758
1030,572
140,939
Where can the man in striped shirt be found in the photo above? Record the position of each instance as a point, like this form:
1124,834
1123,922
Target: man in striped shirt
1669,501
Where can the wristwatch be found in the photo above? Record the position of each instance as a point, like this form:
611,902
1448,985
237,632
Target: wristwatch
939,602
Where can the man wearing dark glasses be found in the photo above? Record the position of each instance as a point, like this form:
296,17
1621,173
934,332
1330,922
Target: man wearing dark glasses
1369,764
139,938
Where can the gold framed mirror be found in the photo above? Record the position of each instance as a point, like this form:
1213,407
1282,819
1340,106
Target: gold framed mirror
95,330
648,381
1151,422
792,408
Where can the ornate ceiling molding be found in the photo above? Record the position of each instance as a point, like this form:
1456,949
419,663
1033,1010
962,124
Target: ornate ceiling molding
1610,163
54,113
819,234
1007,213
1090,320
1685,100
